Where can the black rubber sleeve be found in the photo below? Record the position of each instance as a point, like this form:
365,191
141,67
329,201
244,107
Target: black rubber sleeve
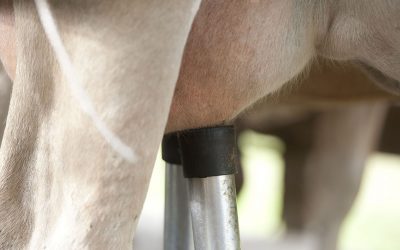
208,152
170,149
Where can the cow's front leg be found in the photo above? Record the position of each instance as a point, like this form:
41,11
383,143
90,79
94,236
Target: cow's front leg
62,185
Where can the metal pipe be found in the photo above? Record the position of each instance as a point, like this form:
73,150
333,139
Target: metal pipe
177,225
213,212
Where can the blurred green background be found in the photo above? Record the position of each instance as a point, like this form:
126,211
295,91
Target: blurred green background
373,223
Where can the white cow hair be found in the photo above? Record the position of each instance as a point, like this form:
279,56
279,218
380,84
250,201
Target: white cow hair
53,35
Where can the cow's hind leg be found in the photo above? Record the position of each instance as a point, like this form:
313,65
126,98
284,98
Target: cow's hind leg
62,185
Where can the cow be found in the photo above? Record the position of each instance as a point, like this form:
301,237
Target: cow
93,94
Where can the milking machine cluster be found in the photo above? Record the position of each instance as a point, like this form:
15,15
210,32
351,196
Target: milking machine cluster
200,202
